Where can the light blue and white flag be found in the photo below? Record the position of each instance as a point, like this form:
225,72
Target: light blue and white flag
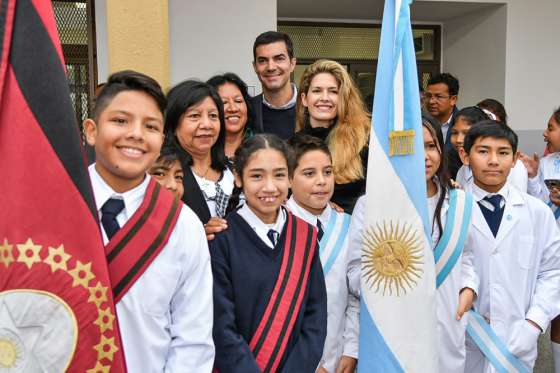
398,315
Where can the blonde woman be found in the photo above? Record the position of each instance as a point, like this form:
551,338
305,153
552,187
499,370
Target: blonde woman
330,107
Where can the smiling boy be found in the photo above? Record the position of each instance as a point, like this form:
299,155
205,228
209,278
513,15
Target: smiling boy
156,247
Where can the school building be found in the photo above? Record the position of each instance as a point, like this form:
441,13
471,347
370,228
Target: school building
505,49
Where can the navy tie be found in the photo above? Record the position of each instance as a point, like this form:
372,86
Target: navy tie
272,236
109,213
319,230
493,216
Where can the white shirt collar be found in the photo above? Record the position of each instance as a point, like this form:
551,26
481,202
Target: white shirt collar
479,194
290,104
102,192
261,228
448,121
302,213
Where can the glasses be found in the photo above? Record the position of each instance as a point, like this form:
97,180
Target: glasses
428,96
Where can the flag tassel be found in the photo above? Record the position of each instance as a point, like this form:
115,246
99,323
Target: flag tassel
401,142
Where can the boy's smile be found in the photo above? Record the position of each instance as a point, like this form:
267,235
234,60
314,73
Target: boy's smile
127,138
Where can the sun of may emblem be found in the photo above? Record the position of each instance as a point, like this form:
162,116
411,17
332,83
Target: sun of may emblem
392,258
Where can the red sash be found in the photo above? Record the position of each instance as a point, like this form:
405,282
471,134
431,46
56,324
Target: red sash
133,248
269,342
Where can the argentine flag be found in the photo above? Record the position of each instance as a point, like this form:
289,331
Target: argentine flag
398,315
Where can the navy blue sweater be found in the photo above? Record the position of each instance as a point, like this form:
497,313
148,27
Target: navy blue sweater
245,270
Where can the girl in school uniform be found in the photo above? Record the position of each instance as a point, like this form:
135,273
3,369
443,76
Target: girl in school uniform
270,303
456,287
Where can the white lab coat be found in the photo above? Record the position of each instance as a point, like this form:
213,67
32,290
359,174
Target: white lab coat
517,177
519,273
549,168
451,333
343,300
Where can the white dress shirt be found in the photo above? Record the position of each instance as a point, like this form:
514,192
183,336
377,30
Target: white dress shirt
445,127
288,105
343,300
208,188
261,228
166,317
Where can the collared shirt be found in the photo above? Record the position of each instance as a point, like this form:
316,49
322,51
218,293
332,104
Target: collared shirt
479,194
261,228
166,317
308,216
445,126
290,104
209,189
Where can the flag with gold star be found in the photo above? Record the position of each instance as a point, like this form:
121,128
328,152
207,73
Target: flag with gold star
56,308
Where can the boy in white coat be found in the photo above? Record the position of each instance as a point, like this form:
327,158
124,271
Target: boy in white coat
312,189
516,255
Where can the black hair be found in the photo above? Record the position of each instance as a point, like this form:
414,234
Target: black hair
302,143
127,80
449,80
270,37
179,99
556,115
169,152
442,174
219,80
495,107
472,114
490,128
250,146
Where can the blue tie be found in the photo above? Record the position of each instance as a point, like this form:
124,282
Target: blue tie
493,216
319,230
109,213
272,236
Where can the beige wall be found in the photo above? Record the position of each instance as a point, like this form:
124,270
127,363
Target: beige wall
134,34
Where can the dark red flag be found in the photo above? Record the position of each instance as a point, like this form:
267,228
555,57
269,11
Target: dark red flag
56,307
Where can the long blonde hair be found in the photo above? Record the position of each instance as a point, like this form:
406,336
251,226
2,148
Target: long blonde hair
350,133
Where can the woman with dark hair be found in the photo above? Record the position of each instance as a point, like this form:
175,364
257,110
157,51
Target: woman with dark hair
496,108
238,114
195,119
464,120
456,291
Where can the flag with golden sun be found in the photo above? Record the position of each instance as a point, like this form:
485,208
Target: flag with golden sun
397,317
